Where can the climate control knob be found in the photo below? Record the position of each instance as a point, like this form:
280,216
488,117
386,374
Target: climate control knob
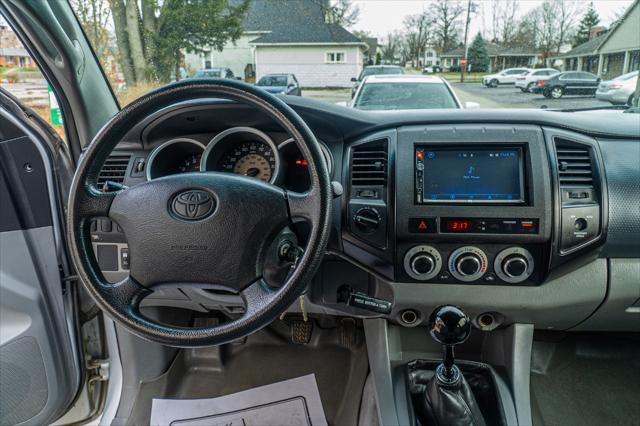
422,262
514,265
468,263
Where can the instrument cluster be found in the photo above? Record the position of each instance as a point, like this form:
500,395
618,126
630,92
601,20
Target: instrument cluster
244,151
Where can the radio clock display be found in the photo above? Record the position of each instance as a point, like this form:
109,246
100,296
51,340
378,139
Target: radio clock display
458,225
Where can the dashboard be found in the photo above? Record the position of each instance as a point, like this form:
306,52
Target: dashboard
528,217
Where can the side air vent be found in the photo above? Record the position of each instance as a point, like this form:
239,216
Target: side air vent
369,164
114,169
575,167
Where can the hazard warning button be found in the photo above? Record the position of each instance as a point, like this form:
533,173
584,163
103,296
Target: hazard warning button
422,225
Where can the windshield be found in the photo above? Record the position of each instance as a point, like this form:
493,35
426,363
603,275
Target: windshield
488,51
208,73
379,71
393,96
273,80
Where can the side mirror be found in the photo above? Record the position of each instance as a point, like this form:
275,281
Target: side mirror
471,105
354,80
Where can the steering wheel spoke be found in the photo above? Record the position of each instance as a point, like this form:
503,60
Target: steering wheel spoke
256,296
302,205
94,203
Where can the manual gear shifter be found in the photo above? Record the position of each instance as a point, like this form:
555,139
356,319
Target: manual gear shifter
448,397
449,326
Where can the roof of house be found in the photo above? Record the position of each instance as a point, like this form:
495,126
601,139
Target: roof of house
592,46
294,22
495,50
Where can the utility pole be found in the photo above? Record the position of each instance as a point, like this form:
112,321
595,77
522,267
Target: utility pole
463,66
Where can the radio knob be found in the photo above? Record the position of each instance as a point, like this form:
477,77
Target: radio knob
422,264
469,264
515,266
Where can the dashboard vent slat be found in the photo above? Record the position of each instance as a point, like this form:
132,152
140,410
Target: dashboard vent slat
575,165
114,169
369,164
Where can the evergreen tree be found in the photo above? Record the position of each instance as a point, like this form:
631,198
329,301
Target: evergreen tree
478,56
589,20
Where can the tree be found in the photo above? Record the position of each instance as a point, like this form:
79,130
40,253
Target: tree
528,33
504,21
153,34
344,13
378,58
446,16
589,20
478,56
391,48
417,36
566,19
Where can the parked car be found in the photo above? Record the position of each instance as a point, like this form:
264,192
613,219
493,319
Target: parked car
404,92
507,76
374,70
618,91
283,84
431,69
219,72
568,83
526,81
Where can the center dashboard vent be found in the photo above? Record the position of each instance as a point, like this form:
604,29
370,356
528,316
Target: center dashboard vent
114,170
369,164
575,166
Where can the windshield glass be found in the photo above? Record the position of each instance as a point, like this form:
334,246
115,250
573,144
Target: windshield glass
390,96
486,50
379,71
273,80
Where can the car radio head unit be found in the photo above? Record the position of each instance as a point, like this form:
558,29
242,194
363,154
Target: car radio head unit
465,175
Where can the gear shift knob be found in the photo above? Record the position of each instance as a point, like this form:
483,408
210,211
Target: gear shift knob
449,326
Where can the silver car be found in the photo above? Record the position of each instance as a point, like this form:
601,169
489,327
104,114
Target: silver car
618,91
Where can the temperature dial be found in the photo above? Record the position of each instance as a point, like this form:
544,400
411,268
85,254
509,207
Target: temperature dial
468,263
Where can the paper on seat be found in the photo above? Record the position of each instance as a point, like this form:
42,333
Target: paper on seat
294,402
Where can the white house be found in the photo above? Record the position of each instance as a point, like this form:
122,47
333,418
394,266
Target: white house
289,37
431,56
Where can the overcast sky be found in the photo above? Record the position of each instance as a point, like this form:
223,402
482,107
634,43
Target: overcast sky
380,17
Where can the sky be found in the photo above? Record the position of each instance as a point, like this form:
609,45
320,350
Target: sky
380,17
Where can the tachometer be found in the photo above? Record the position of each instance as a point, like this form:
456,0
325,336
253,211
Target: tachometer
179,155
191,163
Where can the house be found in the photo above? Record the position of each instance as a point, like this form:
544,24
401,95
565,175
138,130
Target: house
296,37
12,53
500,57
431,56
610,54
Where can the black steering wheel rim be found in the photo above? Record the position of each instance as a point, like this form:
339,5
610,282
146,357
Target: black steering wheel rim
121,301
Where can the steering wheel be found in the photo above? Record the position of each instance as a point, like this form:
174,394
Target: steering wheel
198,229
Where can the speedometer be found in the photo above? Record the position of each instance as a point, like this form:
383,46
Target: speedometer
253,159
244,151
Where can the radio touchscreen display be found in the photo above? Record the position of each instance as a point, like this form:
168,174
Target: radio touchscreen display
462,175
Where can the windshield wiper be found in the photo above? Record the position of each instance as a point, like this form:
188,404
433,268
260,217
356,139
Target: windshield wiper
594,108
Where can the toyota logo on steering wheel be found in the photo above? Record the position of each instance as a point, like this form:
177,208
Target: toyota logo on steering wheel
192,205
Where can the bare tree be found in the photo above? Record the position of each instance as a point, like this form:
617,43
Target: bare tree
527,32
392,47
447,15
567,12
344,13
417,36
508,23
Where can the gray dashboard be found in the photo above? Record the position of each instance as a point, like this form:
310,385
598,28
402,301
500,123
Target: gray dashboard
593,283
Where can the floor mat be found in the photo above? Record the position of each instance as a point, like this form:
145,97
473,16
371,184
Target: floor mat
267,357
294,402
588,388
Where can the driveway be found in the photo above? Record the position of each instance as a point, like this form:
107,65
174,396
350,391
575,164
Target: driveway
511,97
